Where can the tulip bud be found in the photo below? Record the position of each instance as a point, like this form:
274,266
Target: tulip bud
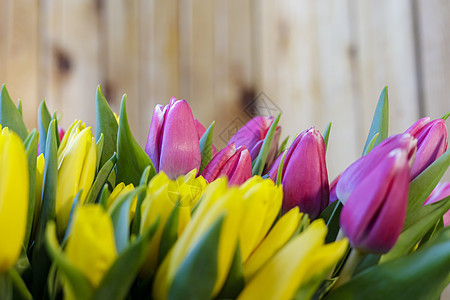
13,198
373,216
357,171
431,142
304,176
252,136
234,163
200,132
77,157
441,191
61,133
172,143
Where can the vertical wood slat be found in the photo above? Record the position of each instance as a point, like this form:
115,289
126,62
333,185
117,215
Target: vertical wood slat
19,50
72,30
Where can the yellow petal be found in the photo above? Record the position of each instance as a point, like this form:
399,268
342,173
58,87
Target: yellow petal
91,247
282,275
14,188
40,165
275,240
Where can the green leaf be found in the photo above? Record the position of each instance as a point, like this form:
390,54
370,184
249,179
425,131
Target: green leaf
206,147
41,261
106,124
170,233
19,108
75,203
424,220
145,179
235,281
260,160
101,179
9,115
120,215
283,146
80,285
306,290
420,275
445,117
131,159
19,285
326,136
44,119
31,148
422,186
196,276
100,144
331,216
371,144
117,281
103,197
6,288
380,122
280,169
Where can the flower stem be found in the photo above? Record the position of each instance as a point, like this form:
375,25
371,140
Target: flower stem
354,258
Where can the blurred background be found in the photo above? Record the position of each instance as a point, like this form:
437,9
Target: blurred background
313,61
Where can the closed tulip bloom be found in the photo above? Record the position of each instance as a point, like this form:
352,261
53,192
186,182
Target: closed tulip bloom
431,142
252,136
304,176
91,247
373,216
441,191
234,163
14,187
77,157
120,190
359,170
200,132
172,142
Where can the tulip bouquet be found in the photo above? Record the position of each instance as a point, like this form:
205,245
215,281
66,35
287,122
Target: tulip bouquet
98,217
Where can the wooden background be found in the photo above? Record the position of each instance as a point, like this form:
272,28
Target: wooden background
317,61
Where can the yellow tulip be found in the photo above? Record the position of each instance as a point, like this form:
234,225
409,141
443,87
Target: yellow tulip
14,189
218,201
162,196
77,157
275,240
119,190
91,247
300,260
40,166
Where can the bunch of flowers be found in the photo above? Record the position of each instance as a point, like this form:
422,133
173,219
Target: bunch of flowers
98,217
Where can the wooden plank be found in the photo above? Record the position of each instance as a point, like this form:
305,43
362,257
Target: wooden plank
5,36
120,29
159,67
22,42
385,56
73,65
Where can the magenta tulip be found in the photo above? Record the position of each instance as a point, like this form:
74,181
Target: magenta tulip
359,170
441,191
373,216
304,175
234,163
252,136
172,142
431,142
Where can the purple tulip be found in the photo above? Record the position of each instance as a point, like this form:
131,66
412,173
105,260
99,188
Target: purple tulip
373,216
172,142
431,142
252,135
304,175
234,163
359,170
333,195
441,191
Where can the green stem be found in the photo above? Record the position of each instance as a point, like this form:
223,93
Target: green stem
6,291
352,262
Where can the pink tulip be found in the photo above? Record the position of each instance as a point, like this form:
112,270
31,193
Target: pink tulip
441,191
200,132
61,133
252,135
304,176
373,216
234,163
172,142
361,168
431,142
